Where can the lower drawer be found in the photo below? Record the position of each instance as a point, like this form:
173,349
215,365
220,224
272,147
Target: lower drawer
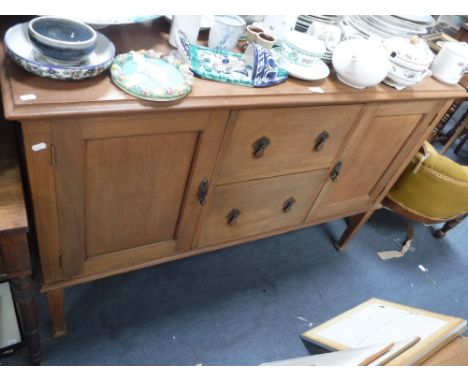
249,208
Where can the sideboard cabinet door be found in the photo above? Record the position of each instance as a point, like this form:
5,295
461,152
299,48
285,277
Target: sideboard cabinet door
383,138
128,187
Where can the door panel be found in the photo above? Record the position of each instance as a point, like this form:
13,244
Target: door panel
375,150
127,190
125,185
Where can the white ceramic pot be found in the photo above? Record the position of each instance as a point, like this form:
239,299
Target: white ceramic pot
410,60
360,63
451,62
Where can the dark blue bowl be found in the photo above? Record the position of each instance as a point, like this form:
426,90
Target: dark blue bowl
60,39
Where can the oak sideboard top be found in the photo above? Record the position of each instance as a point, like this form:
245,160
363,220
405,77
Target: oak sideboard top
100,96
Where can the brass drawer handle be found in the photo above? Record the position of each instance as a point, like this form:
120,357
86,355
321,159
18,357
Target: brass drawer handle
288,204
259,146
233,215
321,139
336,171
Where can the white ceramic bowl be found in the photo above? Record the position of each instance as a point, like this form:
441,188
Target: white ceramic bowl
301,49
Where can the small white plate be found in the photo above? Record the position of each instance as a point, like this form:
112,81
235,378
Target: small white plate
318,71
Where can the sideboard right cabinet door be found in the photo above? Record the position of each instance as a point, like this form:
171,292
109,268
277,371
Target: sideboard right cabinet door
385,135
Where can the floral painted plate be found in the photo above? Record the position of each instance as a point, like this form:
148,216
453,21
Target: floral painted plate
152,75
21,50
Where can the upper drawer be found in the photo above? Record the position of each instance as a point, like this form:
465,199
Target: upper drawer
271,142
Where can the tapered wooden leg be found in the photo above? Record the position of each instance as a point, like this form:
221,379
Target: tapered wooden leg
56,302
448,226
354,225
23,294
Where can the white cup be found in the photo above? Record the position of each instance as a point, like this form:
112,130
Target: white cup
225,32
451,63
190,25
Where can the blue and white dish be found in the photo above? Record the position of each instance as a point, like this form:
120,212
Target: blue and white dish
22,51
63,40
257,68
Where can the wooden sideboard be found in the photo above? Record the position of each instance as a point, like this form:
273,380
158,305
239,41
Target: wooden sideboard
121,184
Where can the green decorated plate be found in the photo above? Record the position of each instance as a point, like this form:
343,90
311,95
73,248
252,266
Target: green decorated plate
152,75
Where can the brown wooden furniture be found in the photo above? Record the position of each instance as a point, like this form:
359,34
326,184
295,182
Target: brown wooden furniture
460,130
121,184
15,262
439,233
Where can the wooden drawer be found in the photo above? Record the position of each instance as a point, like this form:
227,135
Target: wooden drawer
261,204
292,137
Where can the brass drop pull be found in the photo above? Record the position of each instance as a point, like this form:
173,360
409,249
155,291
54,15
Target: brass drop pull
321,139
259,146
288,203
233,215
336,171
203,191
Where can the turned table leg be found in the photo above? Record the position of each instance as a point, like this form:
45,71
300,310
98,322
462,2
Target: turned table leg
23,293
354,225
56,303
448,226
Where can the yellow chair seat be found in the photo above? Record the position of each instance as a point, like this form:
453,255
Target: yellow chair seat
437,190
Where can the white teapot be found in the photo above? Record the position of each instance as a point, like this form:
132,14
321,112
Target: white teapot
360,63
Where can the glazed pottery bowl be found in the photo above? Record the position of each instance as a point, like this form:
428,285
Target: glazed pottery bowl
62,40
301,49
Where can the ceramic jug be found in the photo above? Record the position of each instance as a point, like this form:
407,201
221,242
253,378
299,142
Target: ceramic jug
451,63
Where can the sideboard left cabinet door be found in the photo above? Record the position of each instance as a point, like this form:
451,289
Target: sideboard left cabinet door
129,189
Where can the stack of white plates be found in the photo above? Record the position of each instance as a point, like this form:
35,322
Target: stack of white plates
303,21
383,27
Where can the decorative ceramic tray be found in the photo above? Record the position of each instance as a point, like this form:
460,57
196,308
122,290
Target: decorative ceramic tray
151,75
256,68
21,50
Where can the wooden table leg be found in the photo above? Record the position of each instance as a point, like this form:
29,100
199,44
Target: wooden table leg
448,226
354,225
23,294
56,303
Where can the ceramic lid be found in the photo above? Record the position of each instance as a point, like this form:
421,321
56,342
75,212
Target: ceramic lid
460,48
305,43
412,50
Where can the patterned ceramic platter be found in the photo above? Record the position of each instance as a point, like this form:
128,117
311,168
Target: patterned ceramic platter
152,76
257,67
20,49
